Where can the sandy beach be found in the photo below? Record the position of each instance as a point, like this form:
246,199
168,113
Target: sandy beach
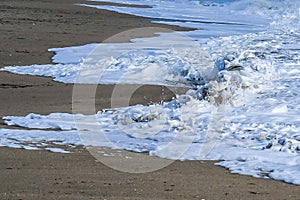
28,30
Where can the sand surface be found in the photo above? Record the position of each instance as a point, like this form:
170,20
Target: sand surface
28,29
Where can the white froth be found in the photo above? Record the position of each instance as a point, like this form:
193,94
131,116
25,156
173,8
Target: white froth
250,119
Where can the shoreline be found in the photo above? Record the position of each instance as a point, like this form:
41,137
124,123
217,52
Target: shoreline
59,24
40,174
44,175
54,25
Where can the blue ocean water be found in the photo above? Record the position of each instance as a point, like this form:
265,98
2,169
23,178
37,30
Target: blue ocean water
211,18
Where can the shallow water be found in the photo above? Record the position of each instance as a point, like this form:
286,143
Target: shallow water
250,119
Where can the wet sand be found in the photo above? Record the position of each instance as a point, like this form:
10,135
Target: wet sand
28,30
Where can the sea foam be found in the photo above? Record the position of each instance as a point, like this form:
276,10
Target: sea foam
249,117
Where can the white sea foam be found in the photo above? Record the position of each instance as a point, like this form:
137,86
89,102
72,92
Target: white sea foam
250,119
175,55
37,139
251,139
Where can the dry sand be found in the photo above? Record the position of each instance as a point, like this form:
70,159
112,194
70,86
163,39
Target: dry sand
28,29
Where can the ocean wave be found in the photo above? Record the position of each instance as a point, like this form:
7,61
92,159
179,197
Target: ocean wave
242,105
